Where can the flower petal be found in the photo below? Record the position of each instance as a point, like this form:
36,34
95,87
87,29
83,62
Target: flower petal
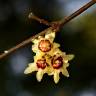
39,75
38,56
31,68
50,35
66,65
50,70
69,57
56,45
57,51
56,76
35,48
35,41
54,51
65,72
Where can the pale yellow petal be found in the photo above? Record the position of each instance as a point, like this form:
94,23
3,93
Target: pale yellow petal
66,65
56,45
65,72
35,41
31,68
65,60
39,75
69,57
38,56
49,70
50,36
35,48
54,51
56,76
57,51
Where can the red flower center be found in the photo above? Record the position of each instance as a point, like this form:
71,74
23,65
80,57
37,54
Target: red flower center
44,45
57,62
41,63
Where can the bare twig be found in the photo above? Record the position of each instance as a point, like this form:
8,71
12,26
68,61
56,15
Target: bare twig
27,41
78,12
54,25
32,16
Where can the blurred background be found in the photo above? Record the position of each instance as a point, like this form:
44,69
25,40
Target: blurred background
77,37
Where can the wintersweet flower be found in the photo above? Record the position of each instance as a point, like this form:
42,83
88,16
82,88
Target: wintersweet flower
59,64
44,44
40,65
49,58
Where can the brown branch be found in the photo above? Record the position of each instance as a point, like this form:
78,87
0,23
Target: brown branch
32,16
78,12
22,44
54,25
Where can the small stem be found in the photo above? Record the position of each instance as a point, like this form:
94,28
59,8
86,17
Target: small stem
32,16
54,25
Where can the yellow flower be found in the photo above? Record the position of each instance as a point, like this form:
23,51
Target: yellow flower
45,44
59,63
49,58
40,65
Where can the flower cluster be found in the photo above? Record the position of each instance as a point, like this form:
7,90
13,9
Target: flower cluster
49,58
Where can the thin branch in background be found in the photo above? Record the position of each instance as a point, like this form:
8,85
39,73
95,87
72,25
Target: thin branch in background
54,25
